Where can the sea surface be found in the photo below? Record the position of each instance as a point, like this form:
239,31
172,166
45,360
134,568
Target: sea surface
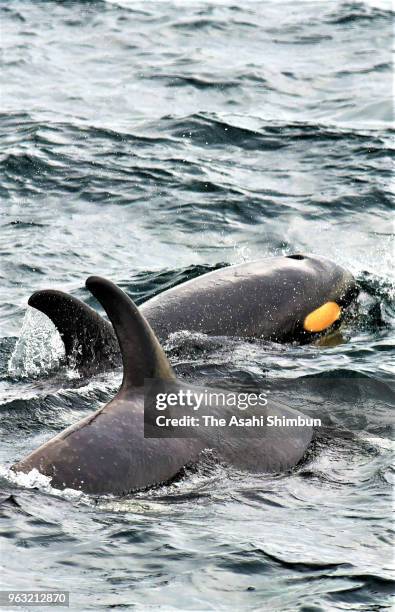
150,142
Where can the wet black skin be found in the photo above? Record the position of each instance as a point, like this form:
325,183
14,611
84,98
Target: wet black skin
89,339
107,452
267,299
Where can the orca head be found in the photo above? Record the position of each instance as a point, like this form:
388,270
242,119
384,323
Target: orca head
318,294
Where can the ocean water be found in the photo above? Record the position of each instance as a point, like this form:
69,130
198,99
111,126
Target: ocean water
150,142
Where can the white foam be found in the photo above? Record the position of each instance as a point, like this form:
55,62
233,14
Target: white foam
35,480
39,348
381,443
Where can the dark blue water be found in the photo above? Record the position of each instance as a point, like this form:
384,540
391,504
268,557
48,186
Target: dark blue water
150,142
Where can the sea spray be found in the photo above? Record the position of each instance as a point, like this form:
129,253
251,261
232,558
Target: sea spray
39,348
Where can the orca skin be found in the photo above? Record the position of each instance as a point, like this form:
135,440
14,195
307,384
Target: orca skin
267,299
107,453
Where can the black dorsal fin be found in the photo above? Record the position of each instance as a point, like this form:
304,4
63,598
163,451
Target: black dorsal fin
89,340
142,355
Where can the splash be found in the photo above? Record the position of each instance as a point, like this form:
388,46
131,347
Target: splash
35,480
39,348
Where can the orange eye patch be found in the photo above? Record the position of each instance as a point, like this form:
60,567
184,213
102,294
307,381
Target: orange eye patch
322,317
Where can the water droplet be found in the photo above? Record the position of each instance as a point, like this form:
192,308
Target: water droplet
39,348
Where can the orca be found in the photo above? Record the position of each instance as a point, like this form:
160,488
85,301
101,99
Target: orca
108,452
294,298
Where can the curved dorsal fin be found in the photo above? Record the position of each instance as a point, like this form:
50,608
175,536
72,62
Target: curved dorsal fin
142,355
89,340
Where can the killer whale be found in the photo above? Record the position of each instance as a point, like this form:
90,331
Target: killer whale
269,299
108,453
